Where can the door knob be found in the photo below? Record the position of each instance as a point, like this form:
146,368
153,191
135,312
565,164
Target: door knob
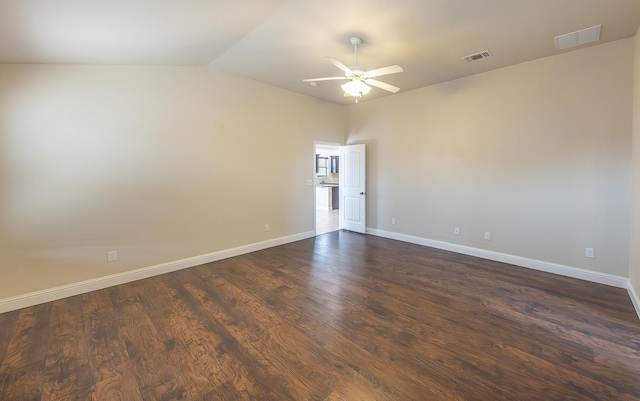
361,193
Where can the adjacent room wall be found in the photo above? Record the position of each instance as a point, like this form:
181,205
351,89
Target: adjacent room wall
538,154
158,163
634,259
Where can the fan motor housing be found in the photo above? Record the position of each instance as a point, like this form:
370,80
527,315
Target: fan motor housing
357,70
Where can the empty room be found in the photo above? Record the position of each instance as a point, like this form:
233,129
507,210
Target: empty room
162,165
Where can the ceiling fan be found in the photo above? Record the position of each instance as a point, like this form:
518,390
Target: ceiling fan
359,80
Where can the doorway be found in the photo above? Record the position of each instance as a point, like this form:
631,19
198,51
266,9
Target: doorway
327,187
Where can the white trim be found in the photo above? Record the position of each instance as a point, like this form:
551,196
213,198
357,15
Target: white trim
634,297
569,271
52,294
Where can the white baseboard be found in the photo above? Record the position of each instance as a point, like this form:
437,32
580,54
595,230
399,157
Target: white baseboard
52,294
568,271
634,297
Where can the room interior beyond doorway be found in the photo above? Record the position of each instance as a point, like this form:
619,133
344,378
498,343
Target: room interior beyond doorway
326,187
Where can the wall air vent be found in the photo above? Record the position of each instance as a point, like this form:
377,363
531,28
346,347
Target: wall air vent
477,56
578,38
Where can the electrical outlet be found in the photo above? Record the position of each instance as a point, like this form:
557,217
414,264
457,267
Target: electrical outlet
487,236
112,256
456,231
393,220
266,228
589,253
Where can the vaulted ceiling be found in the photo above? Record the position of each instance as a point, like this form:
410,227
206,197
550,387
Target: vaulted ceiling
280,42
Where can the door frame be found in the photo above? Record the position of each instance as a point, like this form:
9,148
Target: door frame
313,180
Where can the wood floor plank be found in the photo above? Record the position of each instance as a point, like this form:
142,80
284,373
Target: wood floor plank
111,375
122,387
171,316
157,376
226,391
22,384
230,359
295,374
339,317
8,322
67,358
28,344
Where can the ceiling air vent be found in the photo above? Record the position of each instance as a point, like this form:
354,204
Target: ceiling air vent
477,56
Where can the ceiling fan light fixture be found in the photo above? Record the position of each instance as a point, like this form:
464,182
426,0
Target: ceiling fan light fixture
356,88
359,81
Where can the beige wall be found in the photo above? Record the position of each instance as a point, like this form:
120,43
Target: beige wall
539,154
634,258
164,163
158,163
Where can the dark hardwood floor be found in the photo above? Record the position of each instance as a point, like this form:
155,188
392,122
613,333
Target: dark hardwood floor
339,317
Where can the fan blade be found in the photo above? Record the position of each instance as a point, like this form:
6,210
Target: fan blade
381,85
338,64
392,69
322,79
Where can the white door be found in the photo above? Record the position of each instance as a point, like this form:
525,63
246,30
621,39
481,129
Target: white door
353,199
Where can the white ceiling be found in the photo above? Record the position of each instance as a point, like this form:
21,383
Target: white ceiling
280,42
